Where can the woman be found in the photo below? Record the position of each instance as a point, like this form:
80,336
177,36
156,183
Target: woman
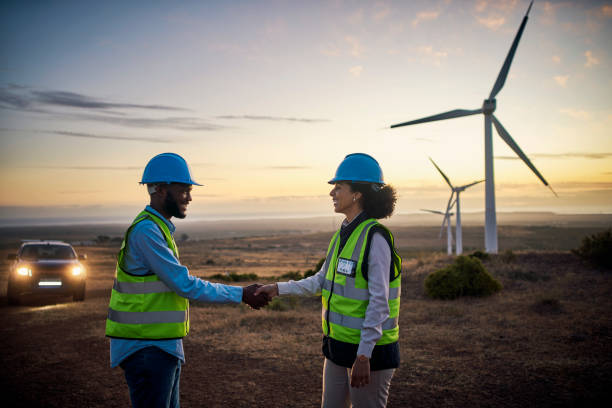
360,287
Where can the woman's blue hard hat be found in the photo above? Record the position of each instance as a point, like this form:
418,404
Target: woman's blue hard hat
359,168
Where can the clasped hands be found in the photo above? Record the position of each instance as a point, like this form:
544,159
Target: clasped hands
257,295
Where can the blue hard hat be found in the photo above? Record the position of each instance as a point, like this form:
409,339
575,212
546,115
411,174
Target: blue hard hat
167,168
359,167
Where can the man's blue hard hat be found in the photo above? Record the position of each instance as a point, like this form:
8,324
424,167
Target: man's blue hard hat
359,167
167,168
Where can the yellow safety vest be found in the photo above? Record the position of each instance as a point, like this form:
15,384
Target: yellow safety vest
345,293
142,306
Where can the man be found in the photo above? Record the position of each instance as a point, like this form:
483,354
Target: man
149,307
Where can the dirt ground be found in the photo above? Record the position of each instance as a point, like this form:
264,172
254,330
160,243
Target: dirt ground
545,340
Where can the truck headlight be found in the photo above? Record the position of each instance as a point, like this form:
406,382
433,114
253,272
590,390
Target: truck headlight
24,271
77,270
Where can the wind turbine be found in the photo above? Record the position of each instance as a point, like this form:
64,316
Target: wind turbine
488,107
449,232
457,202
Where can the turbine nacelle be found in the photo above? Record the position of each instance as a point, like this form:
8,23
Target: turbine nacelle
488,106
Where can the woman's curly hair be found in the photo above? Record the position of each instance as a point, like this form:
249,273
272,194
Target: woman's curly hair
378,202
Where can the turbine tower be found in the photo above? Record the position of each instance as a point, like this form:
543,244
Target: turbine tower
457,202
449,232
488,107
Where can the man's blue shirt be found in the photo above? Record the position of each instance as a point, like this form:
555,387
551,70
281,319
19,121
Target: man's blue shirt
147,251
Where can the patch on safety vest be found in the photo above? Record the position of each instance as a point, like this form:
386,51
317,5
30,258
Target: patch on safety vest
346,267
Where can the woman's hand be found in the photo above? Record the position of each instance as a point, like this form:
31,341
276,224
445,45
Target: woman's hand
270,291
360,373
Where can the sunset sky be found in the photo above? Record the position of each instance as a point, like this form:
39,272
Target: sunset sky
265,98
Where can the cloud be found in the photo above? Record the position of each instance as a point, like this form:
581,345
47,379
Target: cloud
491,22
107,137
381,12
556,59
276,27
176,123
272,118
24,98
96,110
356,70
576,113
356,18
120,168
576,155
356,47
431,54
590,59
561,80
75,100
425,16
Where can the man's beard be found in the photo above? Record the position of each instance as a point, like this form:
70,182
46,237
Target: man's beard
171,207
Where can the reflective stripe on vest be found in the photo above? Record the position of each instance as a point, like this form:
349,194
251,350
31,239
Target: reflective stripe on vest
142,306
345,296
140,288
147,317
356,322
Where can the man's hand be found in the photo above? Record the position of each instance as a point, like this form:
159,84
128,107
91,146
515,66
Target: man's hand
360,373
270,291
250,298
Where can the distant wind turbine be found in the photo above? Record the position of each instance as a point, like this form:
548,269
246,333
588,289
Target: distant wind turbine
449,232
488,107
457,202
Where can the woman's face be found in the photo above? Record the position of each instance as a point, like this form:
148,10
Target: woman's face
345,200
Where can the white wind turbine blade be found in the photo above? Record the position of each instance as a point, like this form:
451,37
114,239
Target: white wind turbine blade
457,113
449,207
433,211
501,78
442,173
469,185
503,133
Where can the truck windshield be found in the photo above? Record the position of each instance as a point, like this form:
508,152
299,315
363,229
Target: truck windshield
34,252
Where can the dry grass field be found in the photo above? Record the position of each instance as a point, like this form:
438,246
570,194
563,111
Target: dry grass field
544,341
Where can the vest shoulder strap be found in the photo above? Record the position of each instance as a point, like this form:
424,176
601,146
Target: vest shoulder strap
396,260
145,215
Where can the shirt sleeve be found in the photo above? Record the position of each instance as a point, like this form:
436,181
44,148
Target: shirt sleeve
148,241
377,312
307,286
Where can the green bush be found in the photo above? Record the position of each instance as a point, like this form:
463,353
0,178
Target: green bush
465,277
235,277
597,248
295,275
483,256
282,303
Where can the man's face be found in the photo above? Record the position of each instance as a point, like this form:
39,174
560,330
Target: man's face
178,197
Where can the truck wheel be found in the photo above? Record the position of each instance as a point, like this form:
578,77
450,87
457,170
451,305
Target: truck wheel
13,296
79,294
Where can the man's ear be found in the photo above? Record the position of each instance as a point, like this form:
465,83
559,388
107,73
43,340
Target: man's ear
162,189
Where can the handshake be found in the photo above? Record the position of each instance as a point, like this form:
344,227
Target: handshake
257,295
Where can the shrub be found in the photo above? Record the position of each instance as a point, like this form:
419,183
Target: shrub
316,269
465,277
483,256
547,305
235,277
281,304
295,275
597,248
